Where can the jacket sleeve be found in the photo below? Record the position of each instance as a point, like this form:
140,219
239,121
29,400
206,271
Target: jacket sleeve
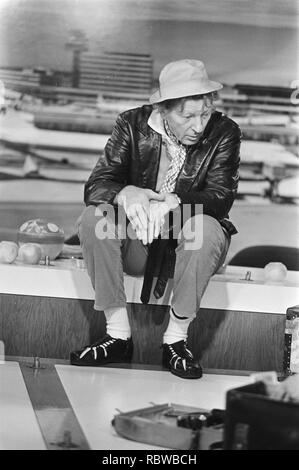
110,174
221,182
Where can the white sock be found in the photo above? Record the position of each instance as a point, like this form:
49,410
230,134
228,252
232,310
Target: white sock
177,328
117,322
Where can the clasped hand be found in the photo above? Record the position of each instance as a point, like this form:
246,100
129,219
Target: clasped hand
146,210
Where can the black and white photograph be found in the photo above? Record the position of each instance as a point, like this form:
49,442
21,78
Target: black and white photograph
149,228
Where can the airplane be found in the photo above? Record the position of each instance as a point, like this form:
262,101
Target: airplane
48,154
18,132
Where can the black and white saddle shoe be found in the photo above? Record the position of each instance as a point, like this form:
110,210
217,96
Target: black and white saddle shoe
180,361
105,351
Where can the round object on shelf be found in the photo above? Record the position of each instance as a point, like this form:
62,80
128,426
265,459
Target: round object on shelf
47,234
30,253
8,252
275,272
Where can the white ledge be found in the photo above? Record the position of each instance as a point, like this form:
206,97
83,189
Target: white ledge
227,291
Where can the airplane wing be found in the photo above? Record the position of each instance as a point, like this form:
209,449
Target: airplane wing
64,159
43,174
77,158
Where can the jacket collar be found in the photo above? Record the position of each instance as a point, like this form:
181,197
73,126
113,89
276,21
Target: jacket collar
210,127
155,122
142,123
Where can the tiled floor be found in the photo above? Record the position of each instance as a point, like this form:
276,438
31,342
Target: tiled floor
96,395
18,425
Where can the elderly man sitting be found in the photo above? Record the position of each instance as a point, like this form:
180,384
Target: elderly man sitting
158,203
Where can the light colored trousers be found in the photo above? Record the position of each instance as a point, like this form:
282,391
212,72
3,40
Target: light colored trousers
107,258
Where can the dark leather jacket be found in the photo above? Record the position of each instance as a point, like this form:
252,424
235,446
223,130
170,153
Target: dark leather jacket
209,176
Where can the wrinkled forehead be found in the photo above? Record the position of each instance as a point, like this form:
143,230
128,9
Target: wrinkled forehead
194,105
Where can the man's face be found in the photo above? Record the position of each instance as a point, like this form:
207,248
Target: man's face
188,120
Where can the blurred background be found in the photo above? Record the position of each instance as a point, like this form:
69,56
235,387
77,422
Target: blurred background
68,67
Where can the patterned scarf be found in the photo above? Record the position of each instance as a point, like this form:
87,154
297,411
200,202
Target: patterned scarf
177,153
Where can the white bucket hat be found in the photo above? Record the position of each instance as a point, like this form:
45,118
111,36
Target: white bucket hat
182,78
